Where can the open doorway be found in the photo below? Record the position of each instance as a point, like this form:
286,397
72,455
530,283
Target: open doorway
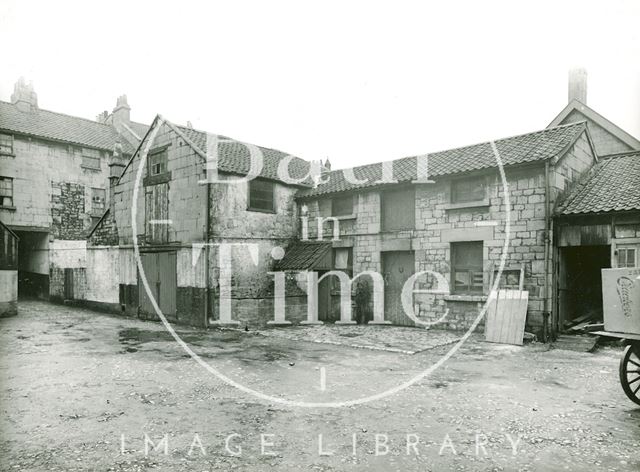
580,282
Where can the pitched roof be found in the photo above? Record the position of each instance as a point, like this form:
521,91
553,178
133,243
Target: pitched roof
60,127
530,147
303,255
611,185
234,156
591,114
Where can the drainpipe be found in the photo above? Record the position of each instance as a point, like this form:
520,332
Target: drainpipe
547,250
206,253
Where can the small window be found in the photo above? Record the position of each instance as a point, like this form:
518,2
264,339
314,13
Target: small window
98,197
342,206
6,144
398,210
342,259
261,195
6,191
466,267
626,257
158,161
91,158
467,190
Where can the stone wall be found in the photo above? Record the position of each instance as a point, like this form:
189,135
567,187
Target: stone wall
604,142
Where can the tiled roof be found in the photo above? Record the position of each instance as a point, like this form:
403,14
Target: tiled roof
303,255
536,146
60,127
234,157
611,185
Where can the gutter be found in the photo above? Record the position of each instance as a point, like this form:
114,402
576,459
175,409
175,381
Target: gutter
547,251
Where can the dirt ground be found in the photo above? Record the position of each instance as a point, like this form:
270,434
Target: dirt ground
80,390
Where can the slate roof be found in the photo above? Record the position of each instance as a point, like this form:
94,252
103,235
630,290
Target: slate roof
530,147
611,185
303,255
234,157
60,127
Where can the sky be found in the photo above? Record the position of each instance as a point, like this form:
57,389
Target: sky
352,81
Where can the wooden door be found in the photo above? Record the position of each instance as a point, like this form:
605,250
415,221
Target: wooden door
160,272
68,284
397,267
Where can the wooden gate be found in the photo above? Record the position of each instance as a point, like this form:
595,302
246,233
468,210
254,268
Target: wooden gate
397,267
160,272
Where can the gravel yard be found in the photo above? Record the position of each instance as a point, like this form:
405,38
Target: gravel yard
81,390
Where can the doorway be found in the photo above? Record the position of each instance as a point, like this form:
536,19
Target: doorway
580,281
397,267
160,272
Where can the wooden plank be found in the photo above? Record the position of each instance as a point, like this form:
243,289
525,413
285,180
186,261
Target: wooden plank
506,317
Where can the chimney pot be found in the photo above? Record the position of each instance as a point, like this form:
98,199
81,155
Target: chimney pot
578,85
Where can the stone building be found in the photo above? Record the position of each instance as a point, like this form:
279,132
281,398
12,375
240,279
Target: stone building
452,222
54,174
182,220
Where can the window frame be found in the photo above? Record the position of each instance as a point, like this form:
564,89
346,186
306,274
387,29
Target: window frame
342,198
11,145
10,196
627,248
251,207
384,195
89,159
153,153
93,199
472,270
464,181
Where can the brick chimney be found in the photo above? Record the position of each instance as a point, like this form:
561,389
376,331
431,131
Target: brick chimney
578,85
23,96
121,113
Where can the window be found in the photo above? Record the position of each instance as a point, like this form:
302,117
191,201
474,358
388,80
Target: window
157,161
98,197
466,267
398,210
6,191
467,190
90,158
342,206
261,195
6,144
626,256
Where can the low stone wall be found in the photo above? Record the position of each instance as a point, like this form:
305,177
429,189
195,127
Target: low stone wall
8,292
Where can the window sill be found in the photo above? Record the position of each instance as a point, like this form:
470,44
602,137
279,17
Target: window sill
7,154
8,208
157,179
95,169
261,210
465,298
465,205
344,217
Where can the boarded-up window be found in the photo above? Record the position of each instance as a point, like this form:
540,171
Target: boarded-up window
261,194
473,189
627,256
342,206
6,144
6,191
398,209
98,197
466,267
90,158
158,160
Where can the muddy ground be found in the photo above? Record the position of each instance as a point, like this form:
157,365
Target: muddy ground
80,390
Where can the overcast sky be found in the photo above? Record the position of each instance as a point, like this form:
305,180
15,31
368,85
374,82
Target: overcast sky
357,82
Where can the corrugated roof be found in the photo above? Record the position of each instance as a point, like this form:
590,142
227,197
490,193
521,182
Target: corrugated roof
60,127
530,147
303,255
234,157
611,185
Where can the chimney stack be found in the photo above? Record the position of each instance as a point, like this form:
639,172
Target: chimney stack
121,113
578,85
23,96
